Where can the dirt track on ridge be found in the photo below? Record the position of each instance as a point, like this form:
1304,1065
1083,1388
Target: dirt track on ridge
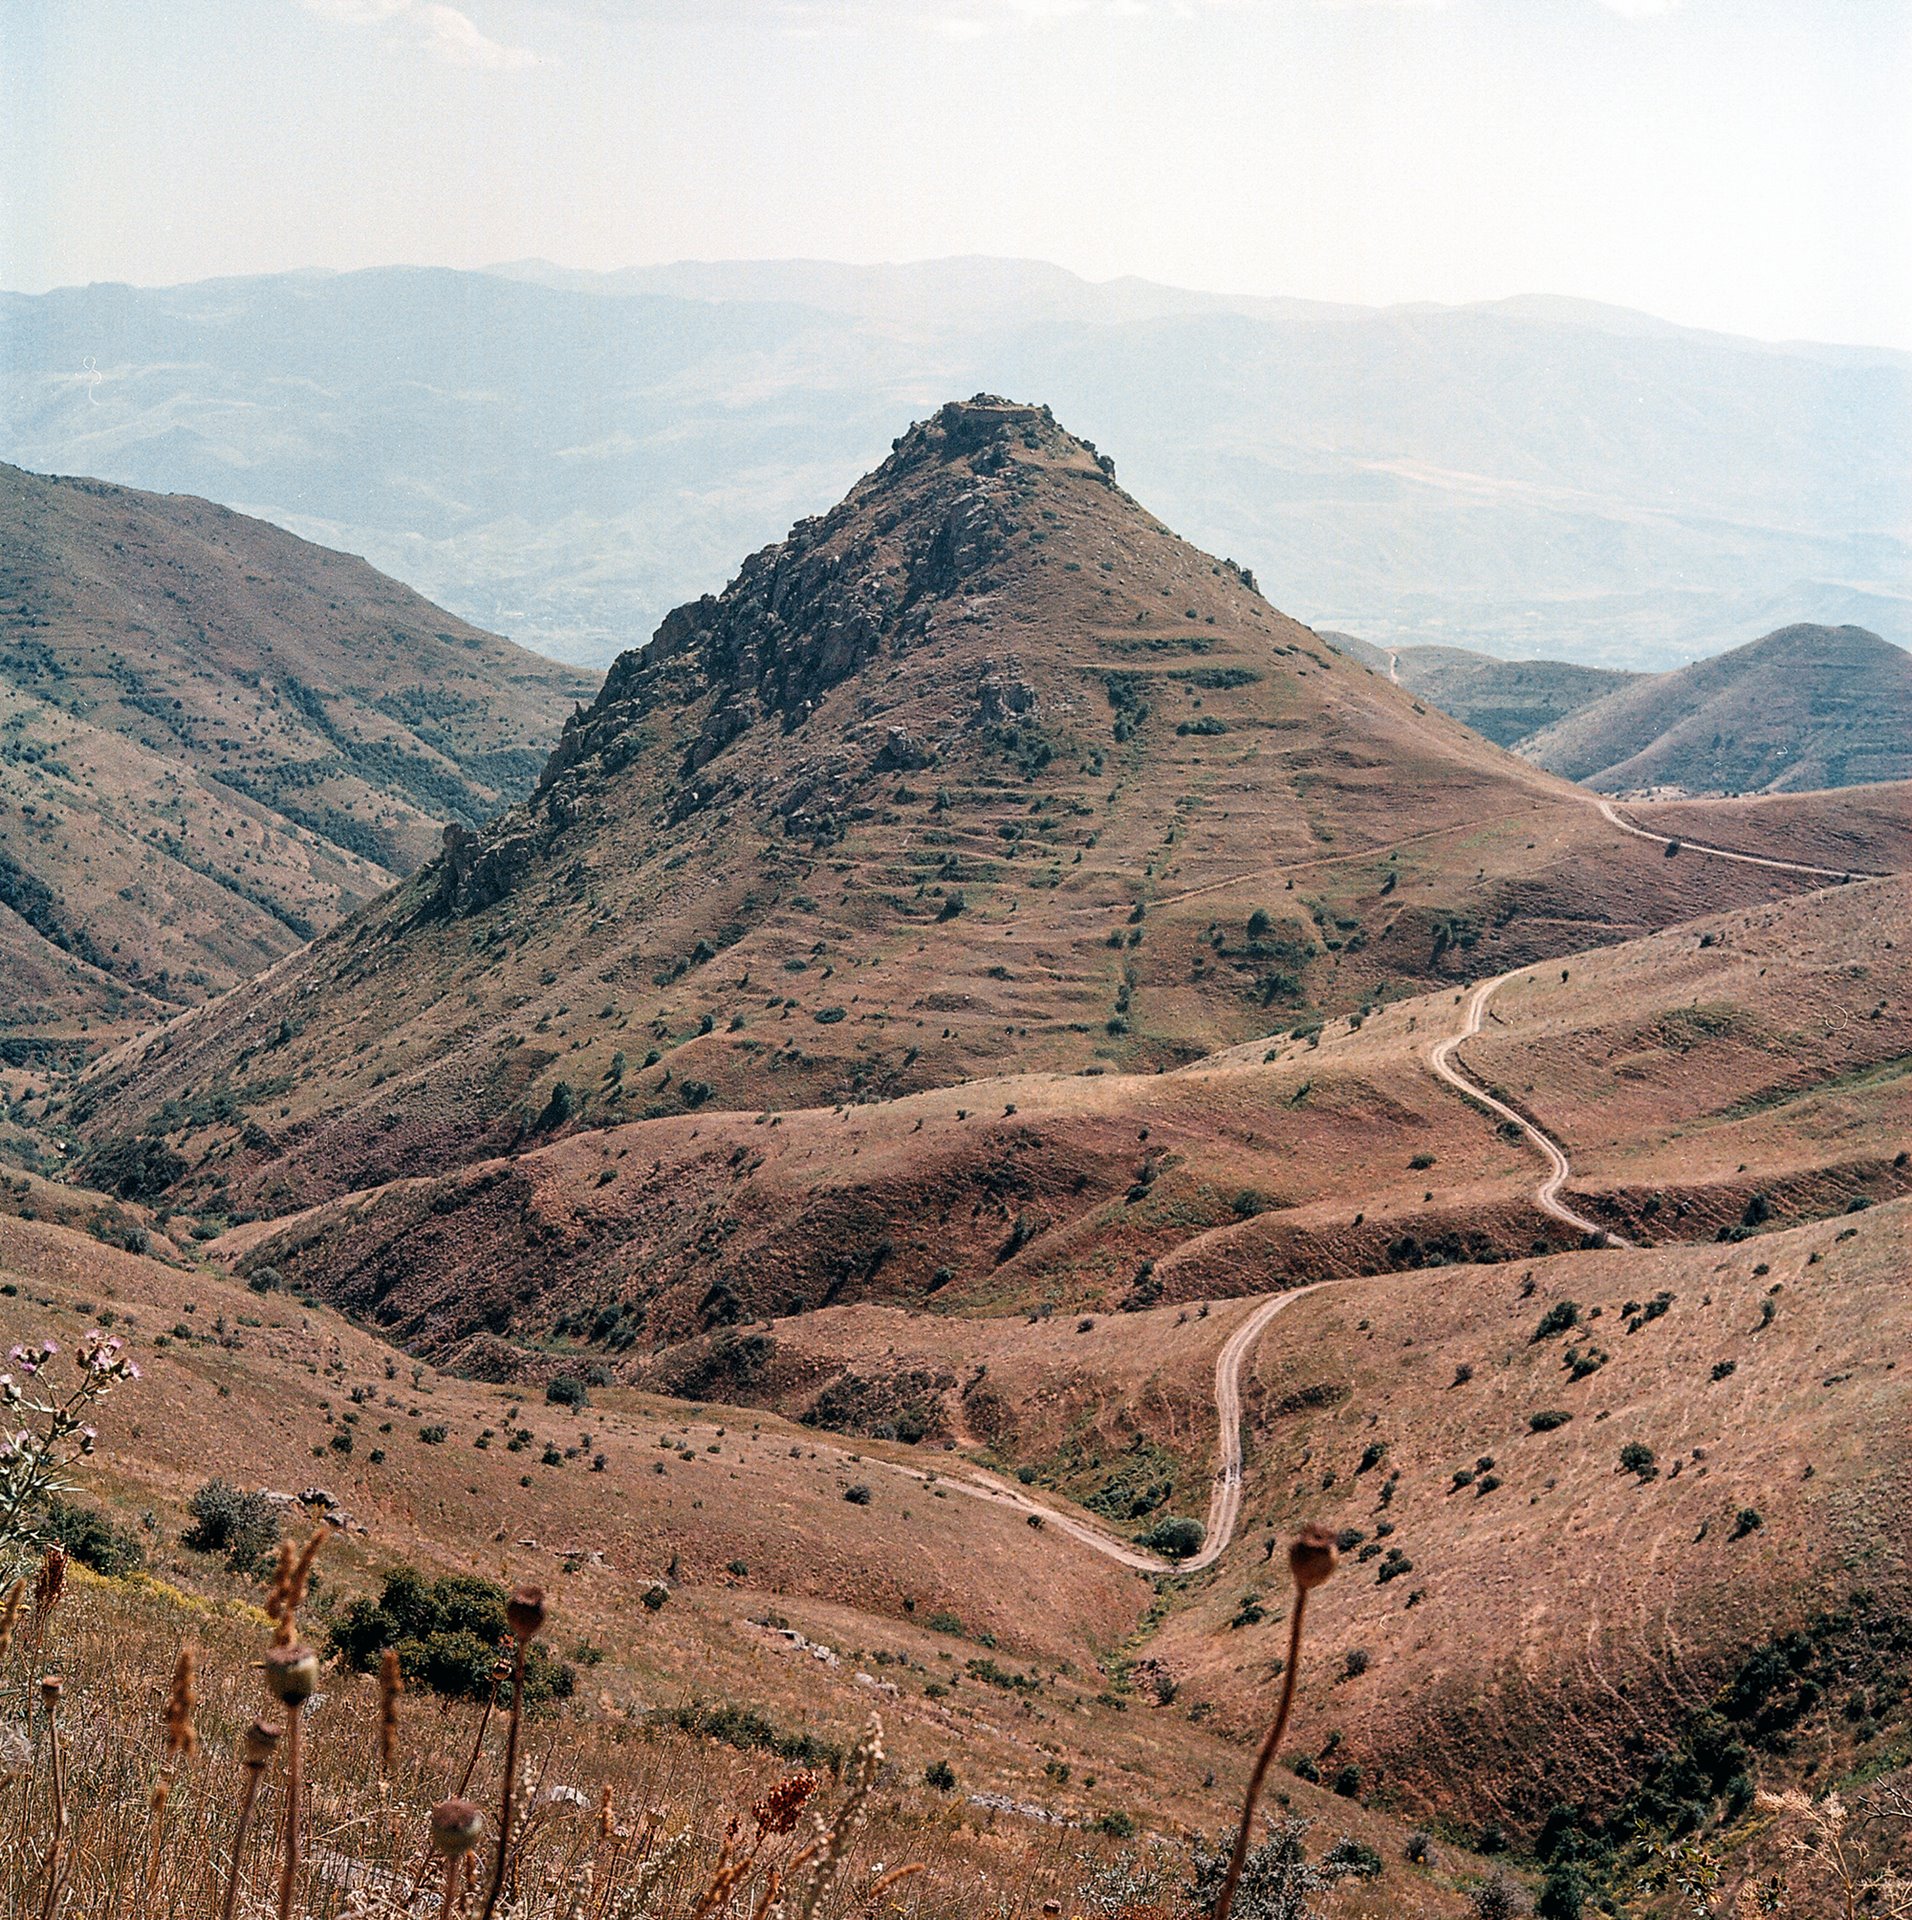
1224,1504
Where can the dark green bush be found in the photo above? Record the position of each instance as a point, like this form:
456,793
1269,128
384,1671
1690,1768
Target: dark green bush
1354,1858
242,1526
447,1633
91,1538
744,1727
1175,1537
1558,1318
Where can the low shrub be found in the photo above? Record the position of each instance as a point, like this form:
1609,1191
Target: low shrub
446,1632
243,1526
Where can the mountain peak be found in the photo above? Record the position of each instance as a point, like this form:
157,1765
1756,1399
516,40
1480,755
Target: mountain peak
939,537
984,767
989,431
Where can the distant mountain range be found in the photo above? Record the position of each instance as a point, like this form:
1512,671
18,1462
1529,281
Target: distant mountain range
564,456
216,740
1802,708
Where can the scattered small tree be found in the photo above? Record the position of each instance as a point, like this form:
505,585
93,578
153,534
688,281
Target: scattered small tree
1278,1880
1175,1537
226,1519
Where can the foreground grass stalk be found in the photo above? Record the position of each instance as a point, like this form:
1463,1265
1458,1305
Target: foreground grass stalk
1310,1561
182,1742
390,1685
50,1690
524,1615
261,1738
292,1674
294,1811
456,1827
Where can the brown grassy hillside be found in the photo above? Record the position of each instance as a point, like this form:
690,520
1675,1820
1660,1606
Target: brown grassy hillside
985,771
811,1610
1561,1619
217,739
1743,1069
1505,700
1806,707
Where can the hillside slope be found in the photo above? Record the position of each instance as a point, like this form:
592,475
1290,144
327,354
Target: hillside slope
1805,707
790,1612
1509,1659
985,769
1747,1068
216,740
1504,699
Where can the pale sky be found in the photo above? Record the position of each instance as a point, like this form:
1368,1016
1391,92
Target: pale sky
1740,164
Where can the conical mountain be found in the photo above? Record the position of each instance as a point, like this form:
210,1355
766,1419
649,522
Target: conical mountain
984,770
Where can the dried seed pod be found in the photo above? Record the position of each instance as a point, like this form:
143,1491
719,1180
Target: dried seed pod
1311,1559
391,1683
181,1736
260,1742
51,1687
457,1827
292,1674
524,1613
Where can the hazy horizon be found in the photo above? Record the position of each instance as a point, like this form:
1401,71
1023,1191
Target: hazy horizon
524,263
1741,166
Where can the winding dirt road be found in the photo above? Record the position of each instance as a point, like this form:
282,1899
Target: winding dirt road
1224,1500
1547,1194
1224,1503
1614,817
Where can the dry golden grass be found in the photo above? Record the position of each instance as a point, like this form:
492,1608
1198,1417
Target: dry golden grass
1051,1609
1761,1051
145,1792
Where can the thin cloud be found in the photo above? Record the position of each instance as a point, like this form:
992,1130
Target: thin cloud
454,36
430,27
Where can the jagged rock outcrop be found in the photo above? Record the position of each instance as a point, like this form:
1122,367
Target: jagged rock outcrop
984,770
801,617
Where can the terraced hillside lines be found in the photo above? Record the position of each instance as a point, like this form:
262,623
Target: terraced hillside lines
983,773
217,740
